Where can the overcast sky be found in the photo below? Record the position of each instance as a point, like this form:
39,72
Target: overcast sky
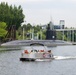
43,11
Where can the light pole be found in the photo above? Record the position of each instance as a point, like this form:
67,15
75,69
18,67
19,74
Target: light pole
23,30
40,32
32,34
23,33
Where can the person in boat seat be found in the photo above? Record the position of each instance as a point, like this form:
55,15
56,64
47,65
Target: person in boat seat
49,51
34,51
41,50
26,51
31,50
44,55
47,54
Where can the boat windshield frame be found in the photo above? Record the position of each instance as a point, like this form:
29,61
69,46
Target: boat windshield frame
37,44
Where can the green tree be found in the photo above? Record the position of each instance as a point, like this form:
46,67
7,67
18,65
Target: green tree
59,35
12,15
28,26
3,32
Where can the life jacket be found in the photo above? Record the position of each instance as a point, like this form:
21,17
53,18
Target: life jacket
26,51
41,50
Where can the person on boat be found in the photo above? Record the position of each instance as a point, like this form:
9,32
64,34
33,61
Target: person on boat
26,51
44,55
50,53
41,50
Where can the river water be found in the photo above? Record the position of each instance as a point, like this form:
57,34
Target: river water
63,64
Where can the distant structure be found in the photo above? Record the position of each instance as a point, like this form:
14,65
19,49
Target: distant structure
62,24
50,32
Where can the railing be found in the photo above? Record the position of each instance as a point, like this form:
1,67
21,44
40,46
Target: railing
64,29
71,33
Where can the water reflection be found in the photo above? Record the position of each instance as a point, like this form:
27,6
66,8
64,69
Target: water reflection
9,48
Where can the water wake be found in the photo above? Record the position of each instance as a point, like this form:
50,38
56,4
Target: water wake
58,58
64,57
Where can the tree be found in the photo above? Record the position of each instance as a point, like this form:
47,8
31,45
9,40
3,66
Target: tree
3,32
12,15
59,35
28,26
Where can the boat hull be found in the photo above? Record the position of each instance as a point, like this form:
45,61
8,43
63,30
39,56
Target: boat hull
27,59
37,59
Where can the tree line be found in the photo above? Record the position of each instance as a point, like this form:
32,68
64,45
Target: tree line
28,29
13,15
10,15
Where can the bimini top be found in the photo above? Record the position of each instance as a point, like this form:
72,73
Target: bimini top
37,44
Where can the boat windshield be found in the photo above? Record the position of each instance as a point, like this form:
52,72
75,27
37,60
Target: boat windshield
29,48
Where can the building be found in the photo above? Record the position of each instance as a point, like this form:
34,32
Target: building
61,25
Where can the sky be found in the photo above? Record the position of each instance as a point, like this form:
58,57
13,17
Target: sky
43,11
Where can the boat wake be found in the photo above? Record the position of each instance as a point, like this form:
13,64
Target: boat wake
59,58
39,60
64,57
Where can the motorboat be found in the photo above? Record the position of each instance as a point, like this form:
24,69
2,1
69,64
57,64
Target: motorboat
36,52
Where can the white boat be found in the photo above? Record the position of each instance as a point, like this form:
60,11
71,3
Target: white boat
36,52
